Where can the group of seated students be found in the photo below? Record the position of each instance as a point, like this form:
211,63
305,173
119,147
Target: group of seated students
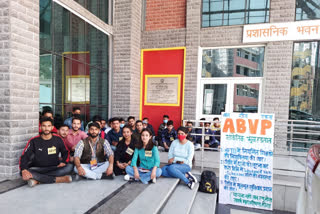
167,134
123,149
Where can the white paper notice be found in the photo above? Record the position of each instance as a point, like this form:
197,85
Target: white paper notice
246,160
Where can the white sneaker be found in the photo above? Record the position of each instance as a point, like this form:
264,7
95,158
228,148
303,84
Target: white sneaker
154,180
32,182
197,147
192,177
126,177
160,149
190,185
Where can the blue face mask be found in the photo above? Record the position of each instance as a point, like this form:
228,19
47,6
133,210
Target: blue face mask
121,125
165,121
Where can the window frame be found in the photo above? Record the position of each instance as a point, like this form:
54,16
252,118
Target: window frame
230,81
246,12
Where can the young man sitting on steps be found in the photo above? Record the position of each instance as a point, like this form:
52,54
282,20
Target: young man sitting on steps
40,161
90,156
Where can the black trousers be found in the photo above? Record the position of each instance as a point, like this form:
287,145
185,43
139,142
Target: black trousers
162,145
47,175
118,171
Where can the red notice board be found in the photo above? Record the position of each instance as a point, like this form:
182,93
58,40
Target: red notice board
162,85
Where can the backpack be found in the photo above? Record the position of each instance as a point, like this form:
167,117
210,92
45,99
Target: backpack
208,182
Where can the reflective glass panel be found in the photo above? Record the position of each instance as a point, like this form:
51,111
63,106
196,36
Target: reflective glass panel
97,7
235,12
246,98
305,82
74,72
307,9
45,78
45,24
214,98
233,62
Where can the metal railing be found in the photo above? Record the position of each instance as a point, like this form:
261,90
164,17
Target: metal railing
203,135
301,134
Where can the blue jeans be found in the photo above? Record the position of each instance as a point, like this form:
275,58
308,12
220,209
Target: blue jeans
145,177
176,171
95,174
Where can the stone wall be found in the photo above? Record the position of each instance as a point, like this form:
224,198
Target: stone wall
19,80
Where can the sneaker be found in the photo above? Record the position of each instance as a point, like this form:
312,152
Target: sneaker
126,177
32,182
161,149
197,147
154,180
132,180
191,177
190,185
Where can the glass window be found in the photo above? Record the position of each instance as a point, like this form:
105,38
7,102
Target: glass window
246,98
45,78
214,98
45,24
305,82
232,62
306,9
97,7
234,12
61,30
78,34
74,69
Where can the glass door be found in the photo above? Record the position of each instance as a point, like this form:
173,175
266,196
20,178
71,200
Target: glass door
229,95
214,99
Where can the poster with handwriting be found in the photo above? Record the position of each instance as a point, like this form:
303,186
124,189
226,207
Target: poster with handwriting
246,160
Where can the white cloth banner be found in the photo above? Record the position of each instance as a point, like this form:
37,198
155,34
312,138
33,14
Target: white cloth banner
246,160
301,30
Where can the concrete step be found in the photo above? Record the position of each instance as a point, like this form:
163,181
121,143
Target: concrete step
181,199
204,203
153,197
75,197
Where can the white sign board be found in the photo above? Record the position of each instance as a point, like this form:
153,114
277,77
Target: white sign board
301,30
162,90
78,89
246,160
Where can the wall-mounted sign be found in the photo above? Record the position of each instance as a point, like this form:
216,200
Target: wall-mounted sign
301,30
162,90
78,89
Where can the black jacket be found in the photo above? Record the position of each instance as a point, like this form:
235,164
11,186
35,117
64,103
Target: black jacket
120,154
43,153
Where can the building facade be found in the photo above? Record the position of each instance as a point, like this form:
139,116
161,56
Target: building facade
90,53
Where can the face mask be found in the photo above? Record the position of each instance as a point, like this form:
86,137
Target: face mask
182,137
76,115
146,122
121,125
165,121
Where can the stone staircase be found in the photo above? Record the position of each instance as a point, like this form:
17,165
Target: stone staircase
116,196
168,195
